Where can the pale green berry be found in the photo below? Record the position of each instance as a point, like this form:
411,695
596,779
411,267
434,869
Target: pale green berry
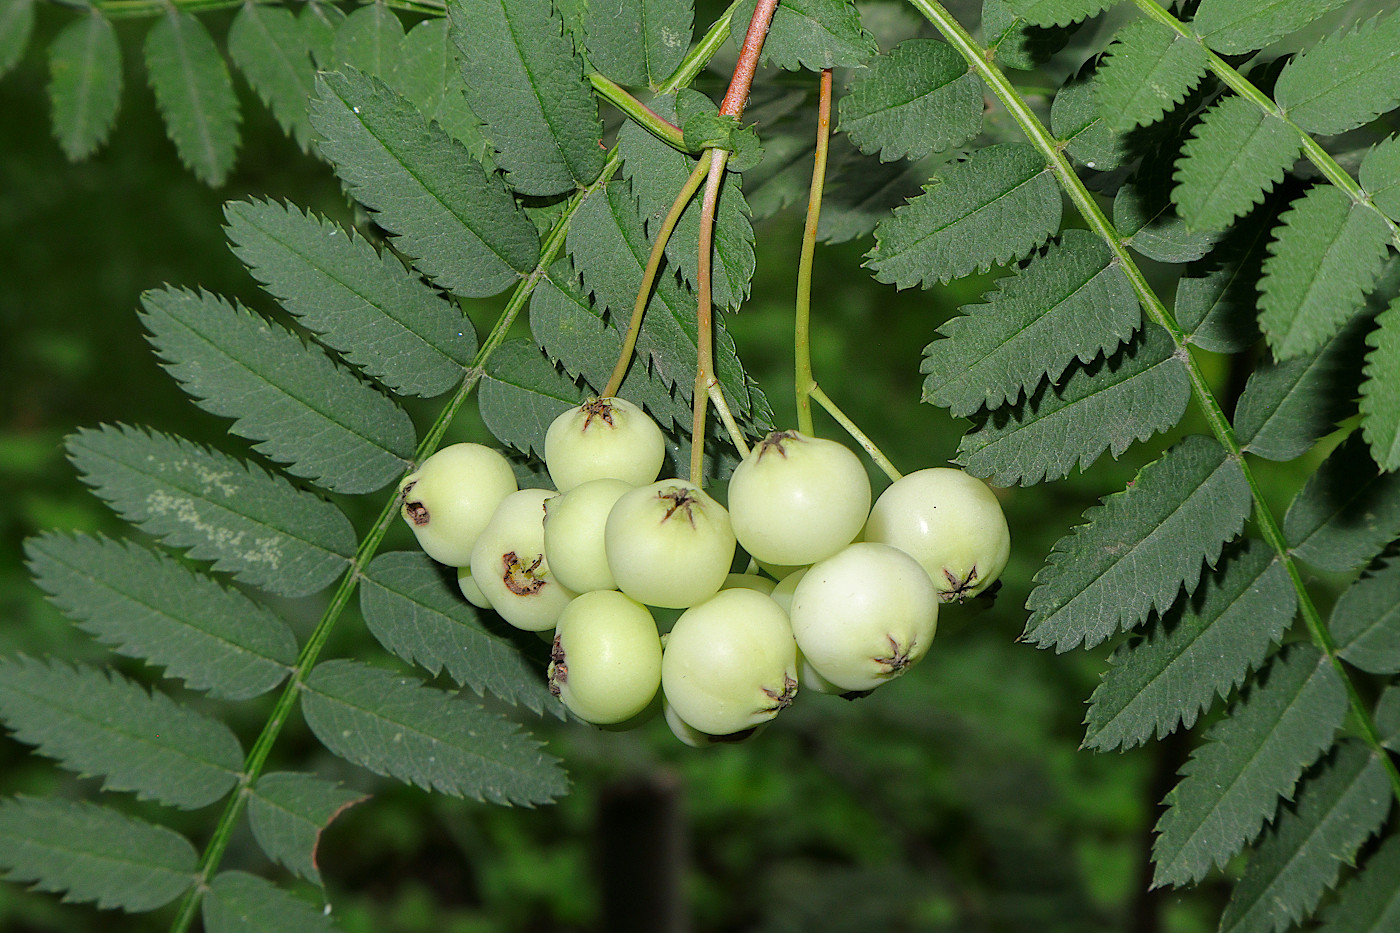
669,544
449,499
783,590
509,565
606,438
693,737
470,590
573,534
748,581
606,662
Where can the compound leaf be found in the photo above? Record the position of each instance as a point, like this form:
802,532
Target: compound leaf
526,84
811,34
288,812
1235,26
195,94
395,726
16,25
1150,69
148,605
251,524
918,98
85,84
1346,80
418,613
1346,512
1075,302
1380,390
1366,620
1380,176
366,305
460,223
521,393
1204,647
1105,405
638,42
1370,902
93,853
237,902
301,408
269,47
1058,12
1139,547
1232,783
1339,806
996,206
95,721
1236,154
1324,259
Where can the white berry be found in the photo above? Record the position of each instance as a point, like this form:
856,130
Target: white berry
606,438
509,565
669,544
573,534
606,662
449,499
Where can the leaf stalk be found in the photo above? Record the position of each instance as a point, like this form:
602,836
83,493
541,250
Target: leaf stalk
802,330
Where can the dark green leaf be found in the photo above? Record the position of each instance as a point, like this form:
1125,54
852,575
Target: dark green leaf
147,605
433,82
919,98
269,46
95,721
319,21
1236,154
396,726
1347,511
92,853
238,902
195,94
16,23
1058,12
638,42
419,614
367,306
522,393
861,192
1077,121
85,84
1139,547
1016,42
1380,176
288,812
251,524
1149,70
1146,217
371,41
1380,392
1370,903
1339,806
1203,648
1346,80
1106,405
1075,302
1216,299
526,84
998,205
1232,783
1235,26
1366,620
302,409
811,34
460,223
1325,257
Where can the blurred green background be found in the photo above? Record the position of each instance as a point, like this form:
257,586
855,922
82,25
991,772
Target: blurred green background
953,800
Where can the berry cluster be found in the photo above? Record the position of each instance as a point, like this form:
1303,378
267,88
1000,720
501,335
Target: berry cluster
847,601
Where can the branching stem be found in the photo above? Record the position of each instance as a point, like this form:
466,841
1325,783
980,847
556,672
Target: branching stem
1205,399
638,112
856,433
802,332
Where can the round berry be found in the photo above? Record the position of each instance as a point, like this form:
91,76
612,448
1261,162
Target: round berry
449,499
748,581
693,737
509,565
470,590
669,544
573,534
606,662
606,438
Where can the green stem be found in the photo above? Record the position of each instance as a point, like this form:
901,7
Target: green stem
637,111
726,417
704,316
860,437
802,326
1052,149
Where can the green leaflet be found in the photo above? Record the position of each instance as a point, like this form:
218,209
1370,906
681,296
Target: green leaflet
811,34
1144,214
249,523
1232,783
319,21
1106,405
1236,154
92,853
1380,391
521,393
1204,647
1370,902
1014,41
863,193
996,206
148,605
195,94
16,23
269,47
1216,299
378,315
1077,121
1366,620
1286,407
1325,258
237,902
1058,12
1234,26
292,399
527,86
1380,176
1139,547
1347,511
1149,70
918,98
371,41
1075,302
396,726
638,42
1346,80
417,612
431,77
288,812
460,223
85,84
95,721
1339,806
